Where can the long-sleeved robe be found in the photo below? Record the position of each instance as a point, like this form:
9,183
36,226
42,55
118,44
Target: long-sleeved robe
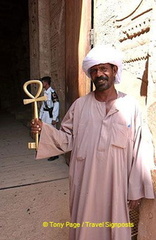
108,164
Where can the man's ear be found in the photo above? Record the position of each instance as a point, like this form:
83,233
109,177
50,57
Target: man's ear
115,69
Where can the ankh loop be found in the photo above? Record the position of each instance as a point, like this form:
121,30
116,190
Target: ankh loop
34,99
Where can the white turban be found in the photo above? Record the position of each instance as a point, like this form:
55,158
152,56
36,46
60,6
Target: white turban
101,55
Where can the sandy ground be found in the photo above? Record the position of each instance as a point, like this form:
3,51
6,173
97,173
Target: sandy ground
33,193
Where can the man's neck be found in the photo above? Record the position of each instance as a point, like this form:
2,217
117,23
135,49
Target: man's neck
47,87
106,95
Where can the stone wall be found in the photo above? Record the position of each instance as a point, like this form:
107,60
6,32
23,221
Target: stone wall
146,228
34,39
47,44
127,26
57,49
130,26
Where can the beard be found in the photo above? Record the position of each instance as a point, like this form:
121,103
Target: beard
101,83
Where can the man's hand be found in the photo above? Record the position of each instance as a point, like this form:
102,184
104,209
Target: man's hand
36,126
132,204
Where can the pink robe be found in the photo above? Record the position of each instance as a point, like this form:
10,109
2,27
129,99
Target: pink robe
107,165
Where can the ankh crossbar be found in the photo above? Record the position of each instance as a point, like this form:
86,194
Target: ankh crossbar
34,99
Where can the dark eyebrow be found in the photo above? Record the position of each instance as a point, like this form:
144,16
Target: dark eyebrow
112,65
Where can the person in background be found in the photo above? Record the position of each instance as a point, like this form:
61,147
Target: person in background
49,111
109,168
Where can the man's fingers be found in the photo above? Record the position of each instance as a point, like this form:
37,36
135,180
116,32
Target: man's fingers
36,125
39,128
134,204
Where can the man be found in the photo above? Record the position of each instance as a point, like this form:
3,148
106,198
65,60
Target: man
108,172
49,110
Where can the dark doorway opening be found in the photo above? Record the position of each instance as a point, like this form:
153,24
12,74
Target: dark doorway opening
14,53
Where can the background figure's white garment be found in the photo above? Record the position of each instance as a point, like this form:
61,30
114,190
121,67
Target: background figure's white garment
44,115
107,164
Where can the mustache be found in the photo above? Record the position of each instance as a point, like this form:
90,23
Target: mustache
100,78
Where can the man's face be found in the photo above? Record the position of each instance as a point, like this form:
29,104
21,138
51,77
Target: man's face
103,76
44,84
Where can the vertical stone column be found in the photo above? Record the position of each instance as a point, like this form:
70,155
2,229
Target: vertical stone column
34,39
57,50
47,43
44,37
39,38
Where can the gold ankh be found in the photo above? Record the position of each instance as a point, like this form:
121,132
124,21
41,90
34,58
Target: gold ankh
34,99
